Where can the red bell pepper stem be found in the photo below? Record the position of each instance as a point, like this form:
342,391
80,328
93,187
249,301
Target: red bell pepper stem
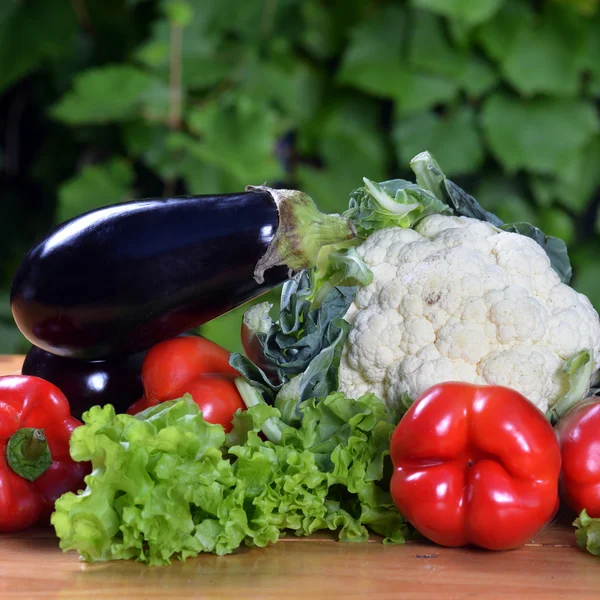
27,453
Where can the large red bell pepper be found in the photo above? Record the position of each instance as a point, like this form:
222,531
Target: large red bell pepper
475,465
35,465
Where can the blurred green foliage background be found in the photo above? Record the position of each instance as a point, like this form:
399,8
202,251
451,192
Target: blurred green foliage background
108,100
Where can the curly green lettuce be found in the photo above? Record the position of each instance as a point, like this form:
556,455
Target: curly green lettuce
166,484
587,533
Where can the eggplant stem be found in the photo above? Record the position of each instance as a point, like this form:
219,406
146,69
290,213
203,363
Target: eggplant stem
303,230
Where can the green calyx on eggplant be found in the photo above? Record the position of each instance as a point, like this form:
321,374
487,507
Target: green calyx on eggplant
119,279
303,230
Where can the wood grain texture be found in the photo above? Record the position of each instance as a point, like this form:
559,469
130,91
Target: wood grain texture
550,566
10,365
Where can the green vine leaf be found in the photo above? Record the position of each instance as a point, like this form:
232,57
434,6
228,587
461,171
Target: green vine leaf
104,94
546,56
454,139
539,135
472,12
95,186
373,63
33,34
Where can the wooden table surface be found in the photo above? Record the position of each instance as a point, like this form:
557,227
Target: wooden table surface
550,566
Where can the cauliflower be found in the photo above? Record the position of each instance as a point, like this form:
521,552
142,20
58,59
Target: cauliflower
457,298
433,288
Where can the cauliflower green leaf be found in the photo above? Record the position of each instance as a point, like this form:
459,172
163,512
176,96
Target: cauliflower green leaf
394,203
431,177
580,370
305,340
555,248
338,266
587,533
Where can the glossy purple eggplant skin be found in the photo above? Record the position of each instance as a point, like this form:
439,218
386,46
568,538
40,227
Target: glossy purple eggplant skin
89,383
119,279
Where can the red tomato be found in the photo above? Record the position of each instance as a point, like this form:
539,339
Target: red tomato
139,405
169,365
191,365
215,394
254,321
217,397
475,465
579,438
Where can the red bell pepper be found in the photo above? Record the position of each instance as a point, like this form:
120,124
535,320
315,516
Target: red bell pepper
192,365
35,465
475,465
579,439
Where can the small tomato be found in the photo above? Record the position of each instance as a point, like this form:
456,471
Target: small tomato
217,397
169,365
215,394
192,365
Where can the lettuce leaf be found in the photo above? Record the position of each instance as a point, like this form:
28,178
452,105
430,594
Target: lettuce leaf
166,484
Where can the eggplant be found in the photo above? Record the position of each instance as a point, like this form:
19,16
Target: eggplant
119,279
89,383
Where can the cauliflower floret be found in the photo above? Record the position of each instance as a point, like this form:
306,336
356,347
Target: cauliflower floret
532,370
459,299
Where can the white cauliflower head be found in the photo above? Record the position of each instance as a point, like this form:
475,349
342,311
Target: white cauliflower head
458,299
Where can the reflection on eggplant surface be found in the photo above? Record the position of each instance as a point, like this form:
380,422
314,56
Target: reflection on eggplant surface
89,383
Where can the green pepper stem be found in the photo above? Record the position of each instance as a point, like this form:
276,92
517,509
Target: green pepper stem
303,230
28,454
